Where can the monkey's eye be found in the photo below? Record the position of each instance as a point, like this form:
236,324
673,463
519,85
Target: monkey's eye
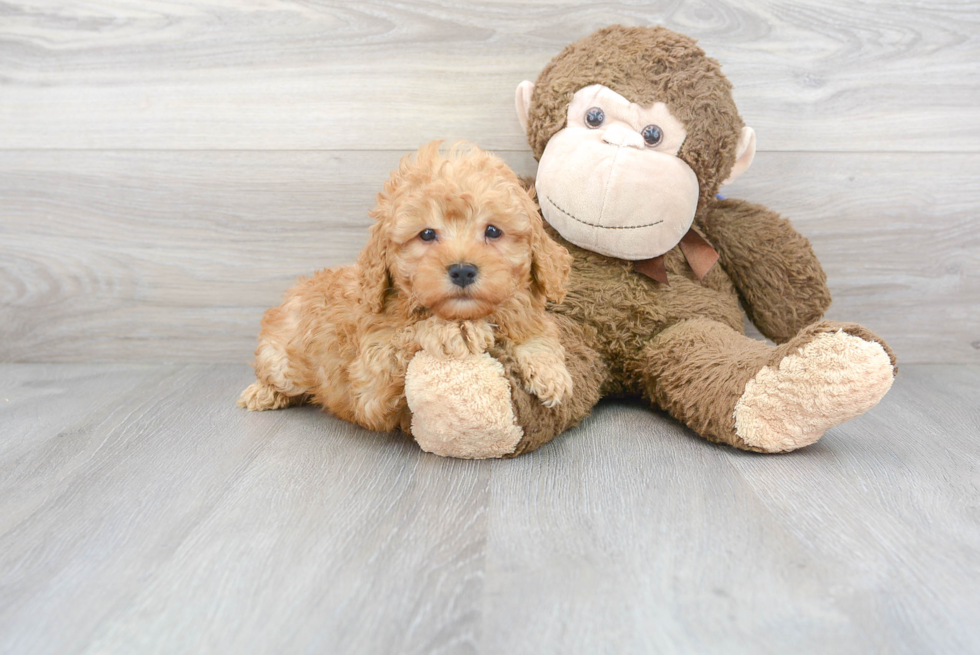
594,117
493,232
428,234
652,135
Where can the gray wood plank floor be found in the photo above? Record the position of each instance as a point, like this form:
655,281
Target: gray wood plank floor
141,511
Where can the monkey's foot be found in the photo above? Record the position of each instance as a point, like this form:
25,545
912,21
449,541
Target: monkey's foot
461,407
832,377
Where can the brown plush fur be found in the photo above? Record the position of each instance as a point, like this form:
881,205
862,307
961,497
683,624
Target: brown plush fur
344,338
697,370
782,285
680,345
541,423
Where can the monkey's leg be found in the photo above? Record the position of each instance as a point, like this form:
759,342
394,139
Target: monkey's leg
477,407
540,423
746,393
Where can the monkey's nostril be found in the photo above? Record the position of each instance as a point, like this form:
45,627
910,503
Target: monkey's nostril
462,275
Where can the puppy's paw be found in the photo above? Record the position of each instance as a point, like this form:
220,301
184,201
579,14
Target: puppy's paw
478,336
551,383
259,397
454,340
544,374
442,339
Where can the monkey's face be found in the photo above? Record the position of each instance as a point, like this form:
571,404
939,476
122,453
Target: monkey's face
611,180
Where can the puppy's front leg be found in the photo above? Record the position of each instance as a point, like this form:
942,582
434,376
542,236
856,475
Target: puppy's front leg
541,360
453,339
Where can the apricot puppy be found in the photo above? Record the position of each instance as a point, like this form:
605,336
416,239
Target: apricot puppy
456,259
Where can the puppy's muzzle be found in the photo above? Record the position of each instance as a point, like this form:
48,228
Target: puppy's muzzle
463,275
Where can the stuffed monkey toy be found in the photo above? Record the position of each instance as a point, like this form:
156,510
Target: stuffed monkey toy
635,131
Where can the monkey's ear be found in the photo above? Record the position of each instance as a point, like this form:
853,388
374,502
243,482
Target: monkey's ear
523,101
372,266
744,155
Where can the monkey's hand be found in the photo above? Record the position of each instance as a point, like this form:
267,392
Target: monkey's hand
782,284
453,339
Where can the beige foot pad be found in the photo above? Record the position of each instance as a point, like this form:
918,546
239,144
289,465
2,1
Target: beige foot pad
832,379
461,407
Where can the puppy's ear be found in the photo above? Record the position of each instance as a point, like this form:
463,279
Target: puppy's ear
550,262
372,265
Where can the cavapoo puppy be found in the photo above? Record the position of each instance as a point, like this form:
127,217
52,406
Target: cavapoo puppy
457,258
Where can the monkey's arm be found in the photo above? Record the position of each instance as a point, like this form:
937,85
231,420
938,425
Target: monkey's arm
782,285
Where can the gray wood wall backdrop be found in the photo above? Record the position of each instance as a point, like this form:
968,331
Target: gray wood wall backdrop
168,168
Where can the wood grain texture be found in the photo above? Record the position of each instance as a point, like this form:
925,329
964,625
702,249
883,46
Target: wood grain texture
173,256
148,504
645,539
141,511
834,75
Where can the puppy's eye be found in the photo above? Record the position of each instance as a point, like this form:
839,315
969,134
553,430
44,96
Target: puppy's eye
652,135
493,232
594,117
428,234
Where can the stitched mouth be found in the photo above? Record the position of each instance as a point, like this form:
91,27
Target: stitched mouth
601,227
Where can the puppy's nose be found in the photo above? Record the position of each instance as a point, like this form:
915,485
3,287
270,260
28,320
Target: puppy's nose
463,275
